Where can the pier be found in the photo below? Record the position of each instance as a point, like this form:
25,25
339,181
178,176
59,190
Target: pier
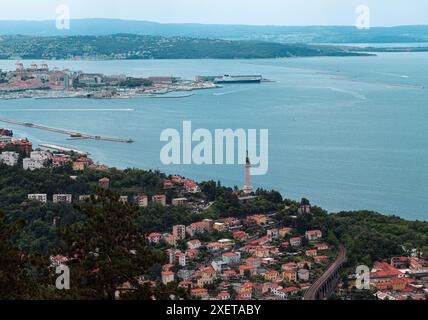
66,132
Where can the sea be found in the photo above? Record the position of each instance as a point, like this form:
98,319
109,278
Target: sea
348,133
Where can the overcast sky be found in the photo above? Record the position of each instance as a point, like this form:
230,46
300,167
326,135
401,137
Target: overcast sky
275,12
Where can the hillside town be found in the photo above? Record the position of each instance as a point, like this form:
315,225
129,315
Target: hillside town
261,259
42,82
253,257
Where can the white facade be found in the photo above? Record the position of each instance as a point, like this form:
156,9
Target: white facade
32,164
38,197
9,158
40,155
62,198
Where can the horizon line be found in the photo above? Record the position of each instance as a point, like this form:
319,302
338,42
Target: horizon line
215,24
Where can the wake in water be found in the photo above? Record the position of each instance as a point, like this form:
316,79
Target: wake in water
230,92
393,74
62,110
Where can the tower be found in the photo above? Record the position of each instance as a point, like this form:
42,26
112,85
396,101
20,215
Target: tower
248,187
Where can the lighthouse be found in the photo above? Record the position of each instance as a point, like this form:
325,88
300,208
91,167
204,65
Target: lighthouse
248,187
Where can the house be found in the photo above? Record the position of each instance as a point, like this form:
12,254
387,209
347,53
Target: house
289,266
311,253
244,290
296,241
251,261
159,199
191,186
322,246
199,293
194,244
304,264
240,235
262,252
400,262
167,277
104,183
61,161
197,227
259,219
219,227
321,259
223,295
207,276
289,275
313,235
231,257
154,237
78,166
9,158
272,276
38,197
285,231
169,239
179,201
303,274
62,198
247,268
229,273
231,222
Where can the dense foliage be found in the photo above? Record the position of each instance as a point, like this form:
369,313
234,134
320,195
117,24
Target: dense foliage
130,46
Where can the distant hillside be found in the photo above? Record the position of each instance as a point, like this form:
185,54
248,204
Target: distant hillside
310,34
129,46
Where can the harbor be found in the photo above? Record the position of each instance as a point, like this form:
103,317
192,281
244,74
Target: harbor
71,134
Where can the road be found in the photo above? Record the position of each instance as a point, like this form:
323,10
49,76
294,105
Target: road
312,292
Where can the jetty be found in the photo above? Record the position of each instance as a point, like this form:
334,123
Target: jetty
71,134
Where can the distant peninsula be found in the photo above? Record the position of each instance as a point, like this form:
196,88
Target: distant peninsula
131,46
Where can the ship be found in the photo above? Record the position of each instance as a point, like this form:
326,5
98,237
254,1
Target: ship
238,79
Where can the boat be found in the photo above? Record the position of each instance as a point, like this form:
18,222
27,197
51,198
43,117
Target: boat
238,79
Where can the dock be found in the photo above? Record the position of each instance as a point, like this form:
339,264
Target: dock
66,132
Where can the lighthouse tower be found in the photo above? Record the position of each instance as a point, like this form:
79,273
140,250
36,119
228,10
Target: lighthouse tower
248,187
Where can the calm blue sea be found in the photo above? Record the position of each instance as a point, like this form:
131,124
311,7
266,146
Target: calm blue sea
347,133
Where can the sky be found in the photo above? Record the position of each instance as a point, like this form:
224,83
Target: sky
255,12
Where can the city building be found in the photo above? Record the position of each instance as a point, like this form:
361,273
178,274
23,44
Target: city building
32,164
313,235
179,232
159,199
62,198
9,158
194,244
231,257
38,197
179,201
142,201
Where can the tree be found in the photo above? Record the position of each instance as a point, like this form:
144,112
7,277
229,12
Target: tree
17,274
106,249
